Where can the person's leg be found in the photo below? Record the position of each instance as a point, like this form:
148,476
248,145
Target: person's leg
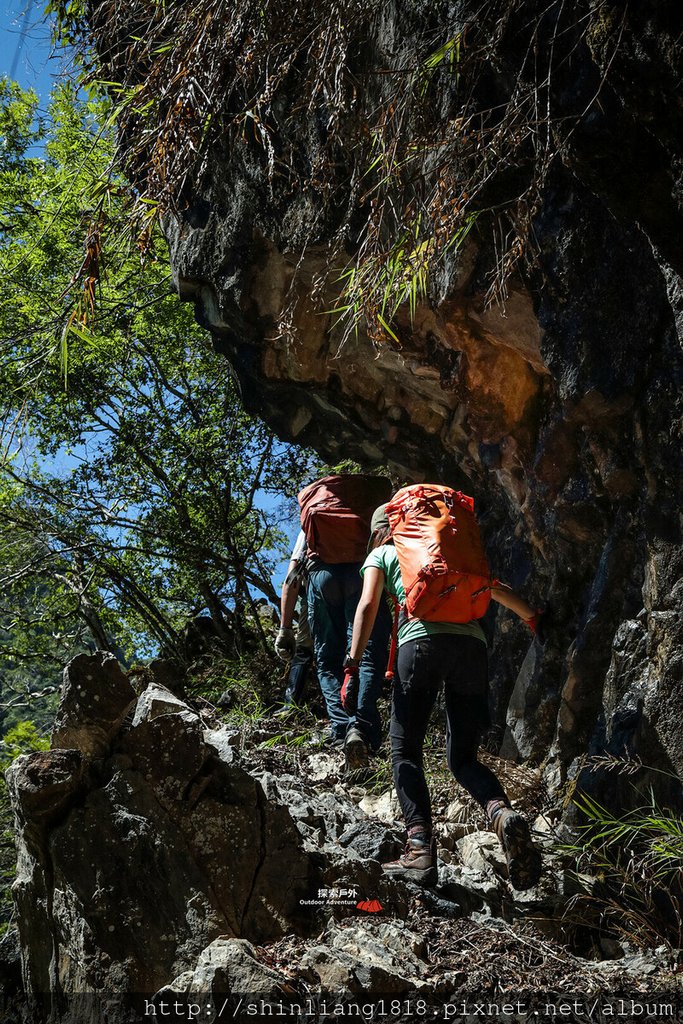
467,717
297,678
467,714
328,629
356,740
415,689
371,677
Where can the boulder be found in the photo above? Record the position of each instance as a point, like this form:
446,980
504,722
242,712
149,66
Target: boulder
156,700
372,843
225,970
384,807
95,698
470,890
132,863
364,958
42,785
481,851
457,822
349,846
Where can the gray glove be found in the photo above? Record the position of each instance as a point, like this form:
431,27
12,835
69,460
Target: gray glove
285,643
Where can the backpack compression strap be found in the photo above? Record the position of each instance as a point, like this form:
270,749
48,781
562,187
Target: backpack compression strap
389,674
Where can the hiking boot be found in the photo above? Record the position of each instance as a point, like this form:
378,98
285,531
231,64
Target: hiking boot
417,863
327,739
523,859
355,750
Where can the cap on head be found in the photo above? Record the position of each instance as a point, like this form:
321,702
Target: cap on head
380,520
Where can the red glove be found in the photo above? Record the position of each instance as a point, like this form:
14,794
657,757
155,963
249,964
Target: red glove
349,690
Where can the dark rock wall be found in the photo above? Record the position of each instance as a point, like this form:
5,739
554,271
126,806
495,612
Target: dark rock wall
560,410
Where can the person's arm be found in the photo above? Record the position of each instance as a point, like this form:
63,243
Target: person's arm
536,620
366,612
506,596
290,593
285,641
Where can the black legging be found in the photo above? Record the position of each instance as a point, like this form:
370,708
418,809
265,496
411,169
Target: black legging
460,663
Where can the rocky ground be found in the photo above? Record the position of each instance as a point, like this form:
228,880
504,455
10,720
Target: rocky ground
460,932
164,851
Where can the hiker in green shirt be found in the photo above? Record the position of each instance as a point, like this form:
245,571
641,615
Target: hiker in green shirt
431,654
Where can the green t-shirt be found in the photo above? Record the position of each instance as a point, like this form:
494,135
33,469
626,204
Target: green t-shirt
386,559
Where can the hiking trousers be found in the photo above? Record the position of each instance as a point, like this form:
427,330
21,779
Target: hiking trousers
333,595
459,663
300,669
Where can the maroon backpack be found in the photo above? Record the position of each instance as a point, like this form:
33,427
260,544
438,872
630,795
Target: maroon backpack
336,513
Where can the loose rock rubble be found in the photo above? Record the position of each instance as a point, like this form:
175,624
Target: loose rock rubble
166,854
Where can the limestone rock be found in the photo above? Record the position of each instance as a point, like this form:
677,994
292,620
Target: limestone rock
224,742
481,851
385,807
457,823
471,890
336,830
158,868
226,967
318,810
96,697
364,959
521,739
43,784
10,965
372,843
132,864
156,700
322,767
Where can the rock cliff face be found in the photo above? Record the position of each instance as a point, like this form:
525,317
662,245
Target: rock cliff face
559,406
560,410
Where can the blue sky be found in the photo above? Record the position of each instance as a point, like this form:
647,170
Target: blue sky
26,51
28,56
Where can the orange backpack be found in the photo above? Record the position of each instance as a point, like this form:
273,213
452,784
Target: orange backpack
444,569
336,513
